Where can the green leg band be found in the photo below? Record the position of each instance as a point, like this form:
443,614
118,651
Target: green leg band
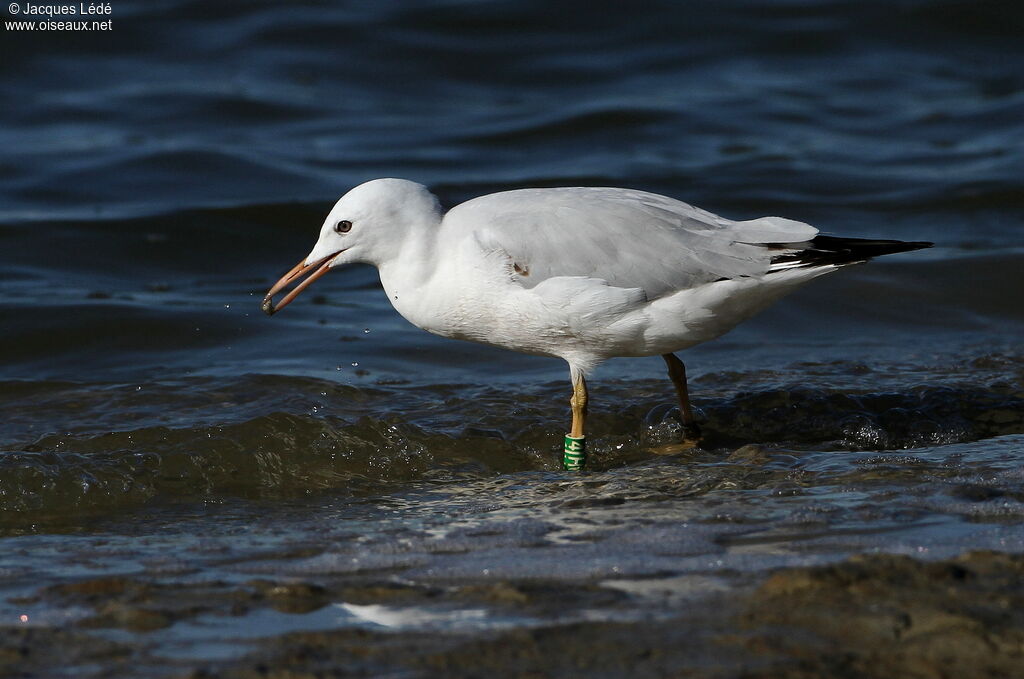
575,457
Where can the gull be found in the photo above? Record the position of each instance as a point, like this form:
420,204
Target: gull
579,273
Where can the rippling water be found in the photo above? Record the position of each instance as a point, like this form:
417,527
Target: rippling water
156,179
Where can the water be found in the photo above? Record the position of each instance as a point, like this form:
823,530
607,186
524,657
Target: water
162,436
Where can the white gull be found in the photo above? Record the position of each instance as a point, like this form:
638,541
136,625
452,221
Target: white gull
583,274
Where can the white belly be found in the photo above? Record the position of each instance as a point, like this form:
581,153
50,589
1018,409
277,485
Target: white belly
580,319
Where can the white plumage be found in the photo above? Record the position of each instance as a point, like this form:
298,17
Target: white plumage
584,274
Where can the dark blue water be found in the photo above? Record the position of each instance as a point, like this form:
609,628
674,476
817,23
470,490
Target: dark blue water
157,178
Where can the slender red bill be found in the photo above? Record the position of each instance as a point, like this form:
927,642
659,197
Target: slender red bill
312,272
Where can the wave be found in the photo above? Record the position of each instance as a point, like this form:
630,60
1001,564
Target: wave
213,440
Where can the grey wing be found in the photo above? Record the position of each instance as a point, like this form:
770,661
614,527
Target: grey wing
631,239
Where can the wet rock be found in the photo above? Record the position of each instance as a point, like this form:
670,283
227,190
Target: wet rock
336,654
100,589
132,618
293,597
870,616
584,649
386,592
597,650
500,593
47,651
892,616
749,454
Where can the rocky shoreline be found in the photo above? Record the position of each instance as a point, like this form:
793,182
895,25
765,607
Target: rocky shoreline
872,615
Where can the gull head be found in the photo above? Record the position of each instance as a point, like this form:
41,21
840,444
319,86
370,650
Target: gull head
368,224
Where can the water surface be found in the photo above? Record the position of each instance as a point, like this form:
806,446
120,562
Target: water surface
169,456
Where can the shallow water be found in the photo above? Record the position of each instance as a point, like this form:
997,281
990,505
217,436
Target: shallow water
161,436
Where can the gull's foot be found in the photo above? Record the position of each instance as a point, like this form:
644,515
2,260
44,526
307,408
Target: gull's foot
692,433
664,432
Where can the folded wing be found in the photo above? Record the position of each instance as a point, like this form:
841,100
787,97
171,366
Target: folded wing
630,239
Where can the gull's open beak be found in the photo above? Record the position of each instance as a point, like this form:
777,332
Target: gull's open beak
318,269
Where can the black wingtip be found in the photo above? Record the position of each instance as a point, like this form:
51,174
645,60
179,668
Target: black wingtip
865,248
825,250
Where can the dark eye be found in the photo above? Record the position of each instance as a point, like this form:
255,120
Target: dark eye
344,226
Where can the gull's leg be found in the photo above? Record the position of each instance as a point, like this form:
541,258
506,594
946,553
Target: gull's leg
575,456
579,405
677,372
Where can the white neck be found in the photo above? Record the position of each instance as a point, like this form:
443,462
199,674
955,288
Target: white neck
407,272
